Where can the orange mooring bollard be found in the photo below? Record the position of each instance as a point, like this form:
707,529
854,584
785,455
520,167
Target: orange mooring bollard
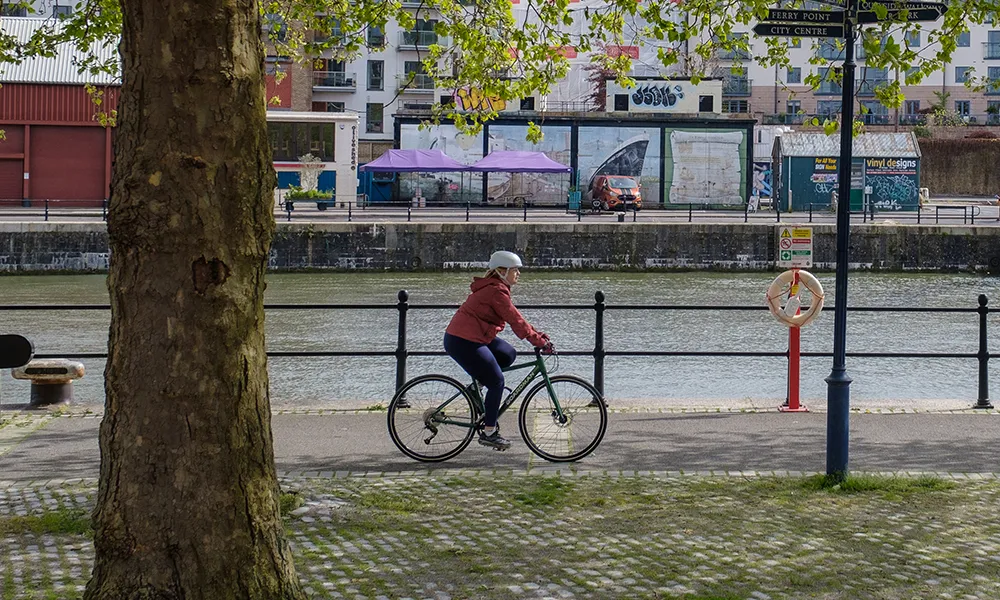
792,404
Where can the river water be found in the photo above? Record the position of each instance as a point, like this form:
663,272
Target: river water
353,382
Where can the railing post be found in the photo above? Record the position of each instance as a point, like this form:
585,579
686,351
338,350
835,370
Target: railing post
104,210
919,210
777,212
810,212
599,307
690,214
466,211
408,209
46,209
746,213
524,202
402,306
348,212
984,356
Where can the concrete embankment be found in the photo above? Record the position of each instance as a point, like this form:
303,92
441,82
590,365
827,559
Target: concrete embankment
83,247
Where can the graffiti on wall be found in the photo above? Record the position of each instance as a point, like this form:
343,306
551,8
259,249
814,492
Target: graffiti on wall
473,99
650,95
762,180
893,181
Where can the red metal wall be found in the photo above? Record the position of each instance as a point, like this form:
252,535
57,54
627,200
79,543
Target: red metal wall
38,103
67,163
12,164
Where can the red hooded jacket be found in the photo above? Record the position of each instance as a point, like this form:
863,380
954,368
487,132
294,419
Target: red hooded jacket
487,310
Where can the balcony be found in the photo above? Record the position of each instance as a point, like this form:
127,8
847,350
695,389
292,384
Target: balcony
737,87
417,40
991,50
786,119
829,88
868,87
415,82
735,54
829,51
334,81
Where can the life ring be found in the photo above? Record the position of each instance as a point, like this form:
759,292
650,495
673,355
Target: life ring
781,286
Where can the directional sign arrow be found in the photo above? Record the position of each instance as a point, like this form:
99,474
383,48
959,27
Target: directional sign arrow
793,30
818,17
915,11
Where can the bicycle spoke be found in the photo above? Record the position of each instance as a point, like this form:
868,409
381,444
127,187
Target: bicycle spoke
417,418
567,432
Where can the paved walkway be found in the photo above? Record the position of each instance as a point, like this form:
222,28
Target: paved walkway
674,504
59,447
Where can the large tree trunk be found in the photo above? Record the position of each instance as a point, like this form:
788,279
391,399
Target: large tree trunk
188,499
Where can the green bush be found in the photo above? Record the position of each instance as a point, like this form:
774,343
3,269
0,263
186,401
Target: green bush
297,193
922,132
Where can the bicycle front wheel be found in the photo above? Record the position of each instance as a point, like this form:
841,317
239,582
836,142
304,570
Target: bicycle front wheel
570,435
431,418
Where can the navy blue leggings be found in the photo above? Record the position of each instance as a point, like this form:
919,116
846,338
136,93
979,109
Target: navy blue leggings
484,363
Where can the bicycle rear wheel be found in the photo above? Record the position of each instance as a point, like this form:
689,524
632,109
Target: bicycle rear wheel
566,437
431,418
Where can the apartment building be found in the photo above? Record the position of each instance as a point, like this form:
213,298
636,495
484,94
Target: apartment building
388,76
778,96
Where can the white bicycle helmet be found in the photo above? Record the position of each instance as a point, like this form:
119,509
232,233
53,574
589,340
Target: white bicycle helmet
501,259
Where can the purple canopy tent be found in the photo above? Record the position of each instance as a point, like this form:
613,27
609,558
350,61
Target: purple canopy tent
518,162
414,161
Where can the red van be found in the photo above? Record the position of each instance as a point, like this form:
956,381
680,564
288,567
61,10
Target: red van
615,192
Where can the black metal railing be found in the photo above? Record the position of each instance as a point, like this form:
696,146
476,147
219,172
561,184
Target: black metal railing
599,353
53,209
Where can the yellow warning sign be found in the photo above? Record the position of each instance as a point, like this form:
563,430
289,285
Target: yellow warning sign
795,247
803,232
785,233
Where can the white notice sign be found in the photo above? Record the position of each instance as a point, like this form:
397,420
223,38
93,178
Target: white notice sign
795,246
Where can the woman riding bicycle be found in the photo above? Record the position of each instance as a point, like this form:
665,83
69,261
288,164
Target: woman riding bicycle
471,337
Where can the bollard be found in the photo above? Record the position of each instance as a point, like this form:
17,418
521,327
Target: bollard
51,380
983,356
599,308
621,217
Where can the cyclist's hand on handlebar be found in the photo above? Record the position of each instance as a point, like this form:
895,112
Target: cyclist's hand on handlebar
548,348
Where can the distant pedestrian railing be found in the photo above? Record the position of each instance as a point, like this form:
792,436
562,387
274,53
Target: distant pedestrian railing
599,352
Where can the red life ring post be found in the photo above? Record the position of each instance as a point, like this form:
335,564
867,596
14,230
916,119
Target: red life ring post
792,400
792,317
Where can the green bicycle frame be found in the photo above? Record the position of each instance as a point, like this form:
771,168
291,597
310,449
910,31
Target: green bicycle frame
537,367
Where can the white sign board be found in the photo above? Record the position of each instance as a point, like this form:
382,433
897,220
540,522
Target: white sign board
795,246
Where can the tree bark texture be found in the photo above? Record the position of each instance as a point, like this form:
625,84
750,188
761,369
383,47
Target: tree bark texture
188,498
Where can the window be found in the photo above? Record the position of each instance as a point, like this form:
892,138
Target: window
735,106
736,52
793,107
62,11
874,112
992,45
7,10
829,50
993,85
527,103
964,40
413,67
376,74
913,39
376,37
289,141
794,75
911,107
963,107
871,79
961,74
828,107
827,86
373,118
334,107
993,112
275,26
912,76
621,102
706,103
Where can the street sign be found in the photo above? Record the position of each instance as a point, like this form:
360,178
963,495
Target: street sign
793,30
915,11
795,247
818,17
837,3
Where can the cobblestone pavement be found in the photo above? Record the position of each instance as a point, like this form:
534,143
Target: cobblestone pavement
465,534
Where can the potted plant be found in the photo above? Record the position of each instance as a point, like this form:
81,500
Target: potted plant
297,193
